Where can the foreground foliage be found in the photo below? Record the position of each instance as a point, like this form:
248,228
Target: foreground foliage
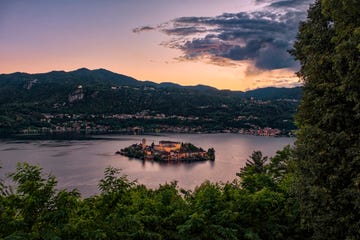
258,207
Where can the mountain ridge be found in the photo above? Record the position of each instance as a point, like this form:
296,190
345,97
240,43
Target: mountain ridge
101,73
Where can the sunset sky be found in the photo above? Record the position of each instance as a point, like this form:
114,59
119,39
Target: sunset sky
227,44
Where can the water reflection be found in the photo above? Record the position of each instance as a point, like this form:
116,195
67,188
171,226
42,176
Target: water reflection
167,164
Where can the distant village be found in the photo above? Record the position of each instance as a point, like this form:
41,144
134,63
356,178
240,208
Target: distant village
168,151
145,121
96,123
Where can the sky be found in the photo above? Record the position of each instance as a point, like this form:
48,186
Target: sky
227,44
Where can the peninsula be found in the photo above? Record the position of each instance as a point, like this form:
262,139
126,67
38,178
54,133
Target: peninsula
168,151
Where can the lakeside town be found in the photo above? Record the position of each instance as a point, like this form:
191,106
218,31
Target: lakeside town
168,151
88,111
104,123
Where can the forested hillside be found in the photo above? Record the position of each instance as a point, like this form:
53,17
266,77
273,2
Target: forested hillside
102,100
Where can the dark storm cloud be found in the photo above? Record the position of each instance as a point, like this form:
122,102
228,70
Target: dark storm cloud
261,1
184,31
285,3
143,29
262,37
289,3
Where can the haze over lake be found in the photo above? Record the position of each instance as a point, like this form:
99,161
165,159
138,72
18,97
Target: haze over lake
81,164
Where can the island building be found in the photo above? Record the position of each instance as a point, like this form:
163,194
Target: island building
167,146
171,151
77,95
167,151
143,143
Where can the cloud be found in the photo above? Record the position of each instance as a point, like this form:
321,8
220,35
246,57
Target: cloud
262,37
276,77
262,1
290,3
143,29
210,59
285,3
184,31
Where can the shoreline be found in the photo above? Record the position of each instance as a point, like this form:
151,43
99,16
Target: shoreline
100,136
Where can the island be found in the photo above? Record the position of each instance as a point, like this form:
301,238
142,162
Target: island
168,151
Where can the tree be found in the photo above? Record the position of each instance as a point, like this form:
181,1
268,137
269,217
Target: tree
266,206
210,216
4,189
257,161
328,140
253,175
35,193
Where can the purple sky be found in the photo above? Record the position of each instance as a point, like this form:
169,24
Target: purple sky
229,44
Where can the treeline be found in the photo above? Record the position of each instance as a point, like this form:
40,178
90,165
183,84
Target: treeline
261,206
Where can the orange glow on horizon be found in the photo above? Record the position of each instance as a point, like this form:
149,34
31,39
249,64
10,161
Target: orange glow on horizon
232,78
38,38
150,62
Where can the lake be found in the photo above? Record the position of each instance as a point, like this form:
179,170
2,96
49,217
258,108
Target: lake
80,163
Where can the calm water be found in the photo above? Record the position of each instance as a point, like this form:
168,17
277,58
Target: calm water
80,164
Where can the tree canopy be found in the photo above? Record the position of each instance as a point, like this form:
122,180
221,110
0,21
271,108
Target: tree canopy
328,140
